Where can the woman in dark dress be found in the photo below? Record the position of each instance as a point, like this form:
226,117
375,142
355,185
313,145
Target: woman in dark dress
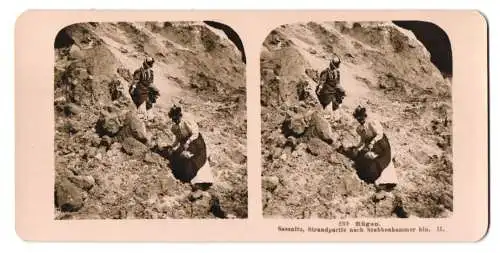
189,151
188,158
376,149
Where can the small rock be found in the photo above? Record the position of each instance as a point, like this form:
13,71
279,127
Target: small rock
125,74
275,152
98,156
384,207
109,124
72,126
421,157
142,192
81,74
95,140
447,201
291,142
100,181
134,147
334,160
378,197
72,109
193,196
93,210
115,146
294,200
85,195
340,189
298,125
76,169
283,156
106,141
68,197
270,183
60,99
84,182
75,52
123,50
318,147
149,158
201,207
351,185
313,74
237,156
295,125
92,152
167,182
301,147
123,214
326,192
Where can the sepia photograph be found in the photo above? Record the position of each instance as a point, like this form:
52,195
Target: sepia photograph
150,121
356,121
251,126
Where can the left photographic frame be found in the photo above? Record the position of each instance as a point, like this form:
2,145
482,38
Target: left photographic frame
149,121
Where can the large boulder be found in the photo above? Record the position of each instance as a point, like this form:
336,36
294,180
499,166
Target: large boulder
320,128
109,124
83,182
68,196
270,183
310,124
134,127
72,109
134,147
295,125
317,147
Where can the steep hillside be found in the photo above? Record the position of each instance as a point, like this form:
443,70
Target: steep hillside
384,68
104,159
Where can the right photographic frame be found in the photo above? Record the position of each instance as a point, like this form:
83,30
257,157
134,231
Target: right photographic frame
356,120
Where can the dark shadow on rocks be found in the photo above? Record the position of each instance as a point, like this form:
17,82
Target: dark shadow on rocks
231,34
435,40
63,39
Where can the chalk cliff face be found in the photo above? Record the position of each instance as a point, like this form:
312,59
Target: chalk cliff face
104,164
385,68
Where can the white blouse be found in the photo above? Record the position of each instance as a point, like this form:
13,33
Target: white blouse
186,131
371,131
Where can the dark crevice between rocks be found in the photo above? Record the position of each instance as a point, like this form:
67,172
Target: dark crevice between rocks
231,34
435,40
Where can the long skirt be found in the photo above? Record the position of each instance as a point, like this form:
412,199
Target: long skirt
381,169
333,95
383,150
196,168
145,94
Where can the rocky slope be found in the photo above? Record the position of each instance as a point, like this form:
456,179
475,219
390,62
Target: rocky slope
384,68
105,166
